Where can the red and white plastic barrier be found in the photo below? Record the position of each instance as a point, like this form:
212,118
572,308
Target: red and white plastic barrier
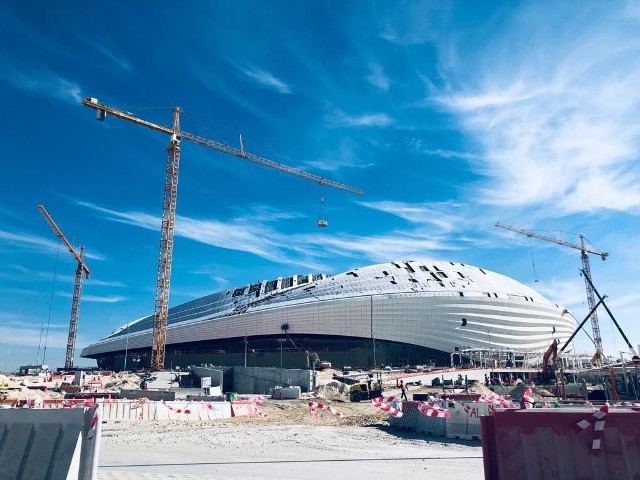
597,420
315,406
138,404
184,410
497,401
382,404
257,402
430,409
527,400
94,423
79,402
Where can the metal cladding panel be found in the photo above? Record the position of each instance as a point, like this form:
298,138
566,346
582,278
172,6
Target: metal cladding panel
546,444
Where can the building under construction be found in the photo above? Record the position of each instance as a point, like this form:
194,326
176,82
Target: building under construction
396,313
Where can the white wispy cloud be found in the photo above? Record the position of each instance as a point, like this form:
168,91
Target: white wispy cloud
345,154
249,235
30,337
414,23
25,241
26,275
44,83
563,133
24,330
110,54
438,214
416,145
377,77
393,245
98,298
104,283
341,119
267,79
569,293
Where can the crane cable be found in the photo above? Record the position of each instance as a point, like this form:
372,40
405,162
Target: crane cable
53,287
322,224
533,263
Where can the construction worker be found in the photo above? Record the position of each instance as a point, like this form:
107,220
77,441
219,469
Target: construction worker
403,390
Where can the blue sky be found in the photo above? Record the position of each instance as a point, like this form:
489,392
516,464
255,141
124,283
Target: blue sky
450,116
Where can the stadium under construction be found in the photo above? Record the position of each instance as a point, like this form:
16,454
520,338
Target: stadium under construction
397,313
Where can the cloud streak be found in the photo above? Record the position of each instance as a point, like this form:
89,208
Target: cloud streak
24,241
256,236
267,79
45,83
98,299
115,58
341,119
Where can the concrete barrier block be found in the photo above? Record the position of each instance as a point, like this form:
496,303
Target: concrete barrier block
49,444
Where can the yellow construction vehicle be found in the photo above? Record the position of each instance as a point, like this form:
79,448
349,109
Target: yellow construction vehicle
365,390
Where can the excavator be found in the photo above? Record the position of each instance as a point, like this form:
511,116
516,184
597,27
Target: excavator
313,361
548,371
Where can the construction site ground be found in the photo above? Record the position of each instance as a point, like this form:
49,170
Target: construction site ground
289,443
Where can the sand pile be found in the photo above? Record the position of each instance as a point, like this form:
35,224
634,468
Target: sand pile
332,390
124,382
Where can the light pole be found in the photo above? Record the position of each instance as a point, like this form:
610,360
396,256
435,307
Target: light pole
281,340
373,338
6,359
624,371
126,350
245,349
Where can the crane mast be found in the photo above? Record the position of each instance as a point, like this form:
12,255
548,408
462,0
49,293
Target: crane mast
161,311
595,324
81,270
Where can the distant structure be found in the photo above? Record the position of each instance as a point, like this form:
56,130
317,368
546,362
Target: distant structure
586,268
396,313
176,135
81,270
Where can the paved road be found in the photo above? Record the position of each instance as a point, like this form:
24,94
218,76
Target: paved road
291,453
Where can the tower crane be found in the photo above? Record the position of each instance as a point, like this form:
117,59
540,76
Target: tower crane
161,310
597,339
77,287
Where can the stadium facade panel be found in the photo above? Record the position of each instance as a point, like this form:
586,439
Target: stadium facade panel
400,313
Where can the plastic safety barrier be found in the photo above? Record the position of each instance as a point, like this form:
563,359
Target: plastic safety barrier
413,419
464,422
143,409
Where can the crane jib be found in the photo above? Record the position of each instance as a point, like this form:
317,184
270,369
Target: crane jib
239,153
